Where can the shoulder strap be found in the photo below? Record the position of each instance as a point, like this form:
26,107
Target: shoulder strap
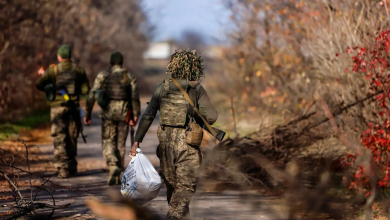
195,109
125,77
55,73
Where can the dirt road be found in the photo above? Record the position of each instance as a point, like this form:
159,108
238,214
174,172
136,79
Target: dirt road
91,180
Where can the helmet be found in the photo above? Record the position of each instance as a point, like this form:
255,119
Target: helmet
186,65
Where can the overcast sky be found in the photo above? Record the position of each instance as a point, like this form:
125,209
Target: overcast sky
172,17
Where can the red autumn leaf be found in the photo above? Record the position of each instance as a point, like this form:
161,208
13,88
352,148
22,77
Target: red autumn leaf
376,139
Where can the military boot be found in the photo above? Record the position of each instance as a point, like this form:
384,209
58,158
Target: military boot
63,173
72,171
114,173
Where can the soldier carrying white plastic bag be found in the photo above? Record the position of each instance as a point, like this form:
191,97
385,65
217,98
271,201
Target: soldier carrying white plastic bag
179,133
140,181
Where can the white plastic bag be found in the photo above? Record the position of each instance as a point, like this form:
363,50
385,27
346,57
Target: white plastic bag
140,181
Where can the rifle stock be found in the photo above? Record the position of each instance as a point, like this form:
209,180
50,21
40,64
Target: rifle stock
130,113
220,134
129,117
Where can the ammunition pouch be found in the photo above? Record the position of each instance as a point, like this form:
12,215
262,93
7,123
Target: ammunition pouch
194,134
50,92
102,99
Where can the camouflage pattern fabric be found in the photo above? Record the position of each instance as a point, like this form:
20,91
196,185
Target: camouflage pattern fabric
114,134
114,126
179,162
67,78
65,133
49,77
115,85
117,109
201,100
186,65
173,107
180,165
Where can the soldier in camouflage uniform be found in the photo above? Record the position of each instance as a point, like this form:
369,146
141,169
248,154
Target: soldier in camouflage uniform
65,121
179,161
114,126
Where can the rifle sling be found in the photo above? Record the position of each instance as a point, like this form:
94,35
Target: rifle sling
55,73
194,107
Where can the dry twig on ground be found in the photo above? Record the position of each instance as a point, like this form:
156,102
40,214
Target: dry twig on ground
24,205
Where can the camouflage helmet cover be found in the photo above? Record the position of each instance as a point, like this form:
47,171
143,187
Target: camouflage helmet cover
186,65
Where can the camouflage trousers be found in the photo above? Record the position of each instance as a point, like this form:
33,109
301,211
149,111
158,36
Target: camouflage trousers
65,133
114,135
180,165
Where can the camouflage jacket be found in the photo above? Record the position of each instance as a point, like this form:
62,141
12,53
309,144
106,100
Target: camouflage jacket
49,77
201,98
117,109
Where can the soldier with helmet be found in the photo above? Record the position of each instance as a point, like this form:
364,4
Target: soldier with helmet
63,84
116,92
178,132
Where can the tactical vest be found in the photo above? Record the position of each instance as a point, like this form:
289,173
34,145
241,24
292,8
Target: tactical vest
115,85
66,78
173,107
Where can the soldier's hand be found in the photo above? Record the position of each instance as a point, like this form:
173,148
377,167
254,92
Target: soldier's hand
133,150
87,121
133,122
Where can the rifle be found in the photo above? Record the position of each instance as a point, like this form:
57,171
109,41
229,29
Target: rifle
219,133
130,116
73,107
130,113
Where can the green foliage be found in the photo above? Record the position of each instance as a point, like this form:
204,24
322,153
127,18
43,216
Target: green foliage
33,120
186,65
